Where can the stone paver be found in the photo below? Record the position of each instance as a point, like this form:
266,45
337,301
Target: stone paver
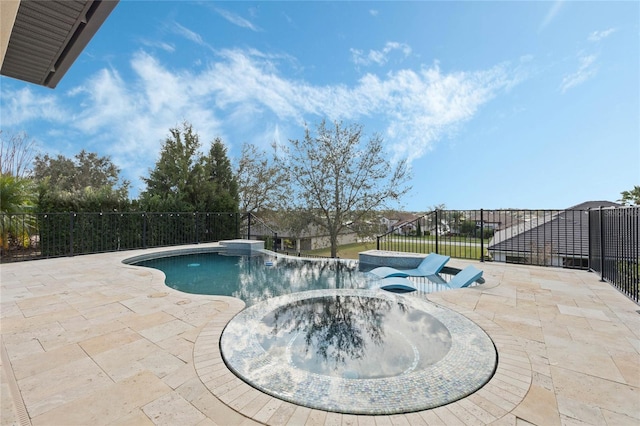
90,340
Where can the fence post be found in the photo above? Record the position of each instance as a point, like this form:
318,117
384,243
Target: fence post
481,235
144,230
275,242
601,244
71,214
436,221
377,243
248,226
196,225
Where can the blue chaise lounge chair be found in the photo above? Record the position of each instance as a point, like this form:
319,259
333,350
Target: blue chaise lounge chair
465,277
462,279
430,265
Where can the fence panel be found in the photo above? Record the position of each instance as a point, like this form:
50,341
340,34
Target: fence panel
44,235
532,237
614,241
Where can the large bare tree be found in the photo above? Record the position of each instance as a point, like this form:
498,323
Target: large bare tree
260,180
17,152
340,179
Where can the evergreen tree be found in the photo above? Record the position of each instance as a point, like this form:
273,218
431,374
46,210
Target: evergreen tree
222,186
185,180
174,183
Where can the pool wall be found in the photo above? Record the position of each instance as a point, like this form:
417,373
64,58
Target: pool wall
236,247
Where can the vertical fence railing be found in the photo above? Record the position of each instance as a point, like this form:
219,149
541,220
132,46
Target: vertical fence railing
533,237
455,233
254,228
614,252
43,235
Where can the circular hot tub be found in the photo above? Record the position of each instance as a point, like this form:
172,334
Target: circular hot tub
358,351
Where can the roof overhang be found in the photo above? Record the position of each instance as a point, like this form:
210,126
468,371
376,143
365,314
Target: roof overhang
42,39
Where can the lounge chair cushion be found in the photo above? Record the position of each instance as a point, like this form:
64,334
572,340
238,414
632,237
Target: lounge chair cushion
430,265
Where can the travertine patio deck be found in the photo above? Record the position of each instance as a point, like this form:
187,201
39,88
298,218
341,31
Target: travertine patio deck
88,340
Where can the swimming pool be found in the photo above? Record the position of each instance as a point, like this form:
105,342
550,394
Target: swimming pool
319,334
260,276
254,278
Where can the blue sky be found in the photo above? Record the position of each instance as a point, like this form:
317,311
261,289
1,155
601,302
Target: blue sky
495,104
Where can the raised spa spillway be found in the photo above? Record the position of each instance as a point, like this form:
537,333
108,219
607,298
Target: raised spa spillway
358,351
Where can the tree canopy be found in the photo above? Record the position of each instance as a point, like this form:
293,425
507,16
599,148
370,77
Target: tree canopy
631,197
261,182
339,179
86,182
184,179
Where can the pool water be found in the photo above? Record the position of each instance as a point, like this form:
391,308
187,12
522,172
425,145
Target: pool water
255,278
358,351
354,336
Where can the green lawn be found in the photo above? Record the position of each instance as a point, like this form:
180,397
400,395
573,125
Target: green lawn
350,251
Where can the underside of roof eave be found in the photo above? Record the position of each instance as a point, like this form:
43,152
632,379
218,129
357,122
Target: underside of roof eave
32,57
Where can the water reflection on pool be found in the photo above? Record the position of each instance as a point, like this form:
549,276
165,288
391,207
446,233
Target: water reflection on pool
255,278
358,351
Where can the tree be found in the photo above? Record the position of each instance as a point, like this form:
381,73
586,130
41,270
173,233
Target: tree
88,182
86,169
17,196
261,182
185,180
222,191
339,179
173,184
16,155
632,197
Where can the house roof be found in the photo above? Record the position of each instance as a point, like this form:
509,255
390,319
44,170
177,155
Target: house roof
46,37
562,232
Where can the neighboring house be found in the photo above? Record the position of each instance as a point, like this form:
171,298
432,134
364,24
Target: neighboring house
443,227
311,237
547,237
494,219
401,223
405,227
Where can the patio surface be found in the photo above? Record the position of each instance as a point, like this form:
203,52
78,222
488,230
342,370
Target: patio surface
90,341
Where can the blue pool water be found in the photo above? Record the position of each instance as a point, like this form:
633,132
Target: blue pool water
318,333
255,278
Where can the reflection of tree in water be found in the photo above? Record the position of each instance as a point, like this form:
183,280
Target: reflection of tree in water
258,282
338,328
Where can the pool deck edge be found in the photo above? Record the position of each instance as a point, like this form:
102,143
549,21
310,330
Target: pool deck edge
90,340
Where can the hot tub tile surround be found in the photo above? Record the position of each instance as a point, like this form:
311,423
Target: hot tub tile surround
495,400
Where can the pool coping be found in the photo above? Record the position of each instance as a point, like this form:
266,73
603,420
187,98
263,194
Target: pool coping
468,363
506,389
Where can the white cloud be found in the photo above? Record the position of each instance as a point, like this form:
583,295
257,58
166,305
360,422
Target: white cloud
374,12
600,35
21,106
379,57
236,19
245,89
553,11
188,34
159,44
585,71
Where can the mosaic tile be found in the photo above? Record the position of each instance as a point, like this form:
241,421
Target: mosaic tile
466,361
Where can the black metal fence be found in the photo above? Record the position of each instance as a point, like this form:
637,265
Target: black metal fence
604,240
255,228
534,237
614,241
44,235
